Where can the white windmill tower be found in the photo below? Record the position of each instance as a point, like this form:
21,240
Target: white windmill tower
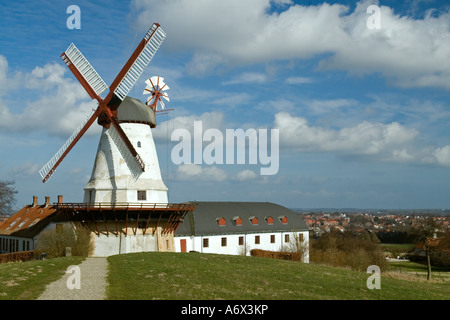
126,167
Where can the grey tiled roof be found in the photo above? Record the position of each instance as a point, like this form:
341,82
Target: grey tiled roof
204,219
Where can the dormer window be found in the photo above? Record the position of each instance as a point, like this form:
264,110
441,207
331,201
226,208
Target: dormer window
13,223
283,219
221,222
254,220
237,221
22,223
269,220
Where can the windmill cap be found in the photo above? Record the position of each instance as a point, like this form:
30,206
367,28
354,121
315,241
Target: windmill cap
132,110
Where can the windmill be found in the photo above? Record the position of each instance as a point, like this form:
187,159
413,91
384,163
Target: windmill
156,87
106,113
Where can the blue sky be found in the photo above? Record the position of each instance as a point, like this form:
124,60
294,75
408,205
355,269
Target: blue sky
362,113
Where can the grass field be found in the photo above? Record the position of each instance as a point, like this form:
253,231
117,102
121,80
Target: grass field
206,276
196,276
27,280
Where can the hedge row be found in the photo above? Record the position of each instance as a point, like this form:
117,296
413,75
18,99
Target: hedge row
16,256
294,256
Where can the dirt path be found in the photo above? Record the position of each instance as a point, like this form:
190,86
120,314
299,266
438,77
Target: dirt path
90,275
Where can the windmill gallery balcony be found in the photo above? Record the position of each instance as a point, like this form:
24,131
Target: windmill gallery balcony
106,218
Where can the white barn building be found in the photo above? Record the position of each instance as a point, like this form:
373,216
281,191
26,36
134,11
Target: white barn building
238,227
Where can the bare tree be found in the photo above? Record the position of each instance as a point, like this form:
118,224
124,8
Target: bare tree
298,245
7,197
426,233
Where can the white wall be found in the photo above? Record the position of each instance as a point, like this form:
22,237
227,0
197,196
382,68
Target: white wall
232,243
20,244
111,180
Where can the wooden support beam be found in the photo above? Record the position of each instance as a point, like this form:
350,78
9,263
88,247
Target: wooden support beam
137,224
106,224
116,222
172,223
167,223
148,221
157,223
126,223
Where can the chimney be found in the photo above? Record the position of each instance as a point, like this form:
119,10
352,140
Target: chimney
47,201
60,199
35,201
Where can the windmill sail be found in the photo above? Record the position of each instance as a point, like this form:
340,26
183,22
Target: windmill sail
145,51
126,149
84,72
51,165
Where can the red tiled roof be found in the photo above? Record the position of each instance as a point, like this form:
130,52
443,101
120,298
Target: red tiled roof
25,218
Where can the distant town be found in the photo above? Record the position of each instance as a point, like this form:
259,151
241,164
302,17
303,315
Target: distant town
384,222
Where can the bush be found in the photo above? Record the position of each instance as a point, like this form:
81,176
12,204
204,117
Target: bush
347,250
283,255
16,256
55,241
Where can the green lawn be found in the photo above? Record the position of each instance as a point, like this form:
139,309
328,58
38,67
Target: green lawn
27,280
195,276
418,271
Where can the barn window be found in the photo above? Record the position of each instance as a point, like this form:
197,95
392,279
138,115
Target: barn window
286,238
138,144
142,195
257,239
205,242
237,221
224,242
221,222
254,220
269,220
241,241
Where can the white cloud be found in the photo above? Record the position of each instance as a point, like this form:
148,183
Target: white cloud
246,78
54,104
442,155
377,141
24,170
190,172
325,106
246,175
409,52
387,141
6,82
208,120
298,80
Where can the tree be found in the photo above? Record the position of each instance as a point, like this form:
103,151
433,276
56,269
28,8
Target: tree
7,197
426,234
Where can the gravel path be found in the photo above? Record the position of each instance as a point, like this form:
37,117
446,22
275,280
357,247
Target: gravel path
92,279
